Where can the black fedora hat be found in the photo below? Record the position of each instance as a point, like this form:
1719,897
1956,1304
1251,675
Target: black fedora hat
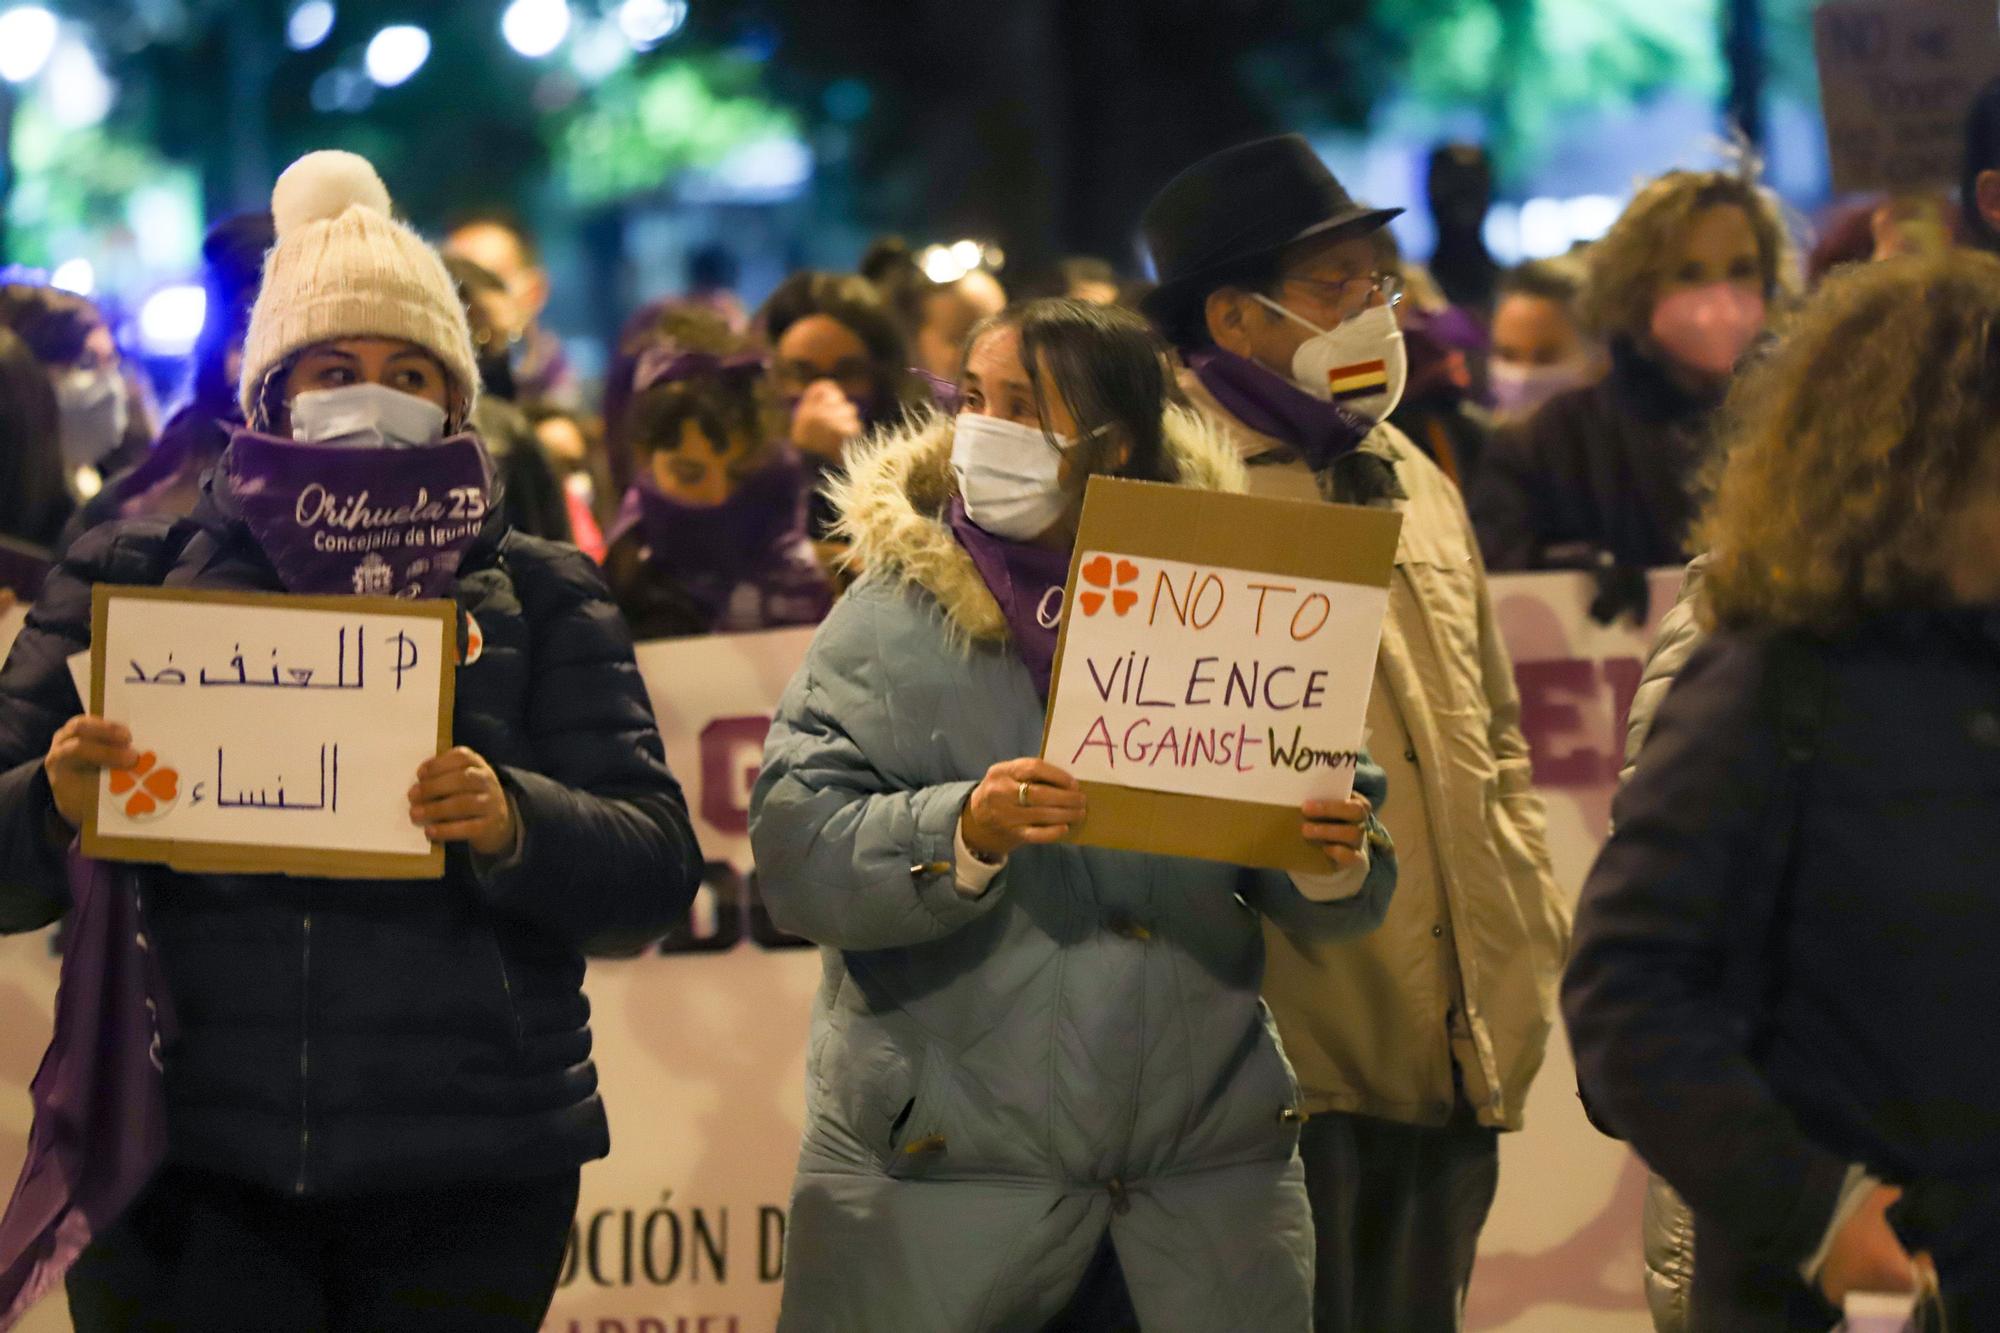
1251,200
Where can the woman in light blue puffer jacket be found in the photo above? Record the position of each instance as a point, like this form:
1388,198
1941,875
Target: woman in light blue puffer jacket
1026,1056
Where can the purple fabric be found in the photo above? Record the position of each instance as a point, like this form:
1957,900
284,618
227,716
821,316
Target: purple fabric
100,1127
664,363
1322,432
1028,583
337,518
747,561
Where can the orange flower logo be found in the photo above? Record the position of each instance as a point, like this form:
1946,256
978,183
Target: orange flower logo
149,789
1099,573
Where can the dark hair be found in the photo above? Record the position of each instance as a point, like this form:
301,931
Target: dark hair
33,501
1109,368
54,323
232,270
1982,154
713,267
856,305
506,220
725,404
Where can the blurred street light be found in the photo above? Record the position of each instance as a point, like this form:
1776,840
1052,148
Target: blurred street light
310,24
74,275
170,320
535,27
79,94
27,40
396,53
647,23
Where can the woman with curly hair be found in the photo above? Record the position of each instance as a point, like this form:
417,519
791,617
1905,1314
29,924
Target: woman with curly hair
1604,475
1788,1035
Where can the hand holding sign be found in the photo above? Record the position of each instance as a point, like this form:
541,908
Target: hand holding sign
1020,802
82,750
458,798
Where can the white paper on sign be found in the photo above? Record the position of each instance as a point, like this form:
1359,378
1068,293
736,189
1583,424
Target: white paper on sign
270,726
1214,682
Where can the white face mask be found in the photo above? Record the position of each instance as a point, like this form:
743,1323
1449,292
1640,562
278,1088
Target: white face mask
93,411
1008,476
1518,391
1361,364
366,416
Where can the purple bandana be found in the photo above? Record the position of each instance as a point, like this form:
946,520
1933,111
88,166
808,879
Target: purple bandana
1271,405
338,518
665,363
747,561
1028,583
100,1124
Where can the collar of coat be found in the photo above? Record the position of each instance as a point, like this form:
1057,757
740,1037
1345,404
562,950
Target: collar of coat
1257,449
898,485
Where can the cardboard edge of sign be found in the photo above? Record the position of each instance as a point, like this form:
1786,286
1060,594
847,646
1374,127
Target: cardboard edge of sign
1294,538
213,858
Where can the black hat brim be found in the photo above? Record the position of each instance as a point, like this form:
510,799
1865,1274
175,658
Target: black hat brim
1164,303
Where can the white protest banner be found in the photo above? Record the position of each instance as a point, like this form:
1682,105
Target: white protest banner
277,734
1215,665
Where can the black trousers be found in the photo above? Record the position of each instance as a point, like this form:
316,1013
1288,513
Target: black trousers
200,1253
1397,1210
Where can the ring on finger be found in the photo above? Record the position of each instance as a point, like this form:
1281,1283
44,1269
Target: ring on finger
1021,794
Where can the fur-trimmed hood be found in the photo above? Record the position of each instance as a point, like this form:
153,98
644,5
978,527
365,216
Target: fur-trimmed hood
895,492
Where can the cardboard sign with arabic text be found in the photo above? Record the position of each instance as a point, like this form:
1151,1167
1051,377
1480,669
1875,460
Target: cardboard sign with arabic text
277,734
1216,657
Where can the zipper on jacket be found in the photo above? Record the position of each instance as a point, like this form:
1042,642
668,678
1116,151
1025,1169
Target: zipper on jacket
305,1048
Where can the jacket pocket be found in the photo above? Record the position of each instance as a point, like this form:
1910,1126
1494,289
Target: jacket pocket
917,1137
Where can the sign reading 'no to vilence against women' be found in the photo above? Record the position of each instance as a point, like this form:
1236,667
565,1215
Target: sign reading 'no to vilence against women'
1215,665
276,734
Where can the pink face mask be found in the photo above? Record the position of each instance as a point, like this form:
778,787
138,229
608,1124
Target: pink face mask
1708,328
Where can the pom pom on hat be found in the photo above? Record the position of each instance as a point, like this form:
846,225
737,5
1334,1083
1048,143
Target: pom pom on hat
321,186
343,267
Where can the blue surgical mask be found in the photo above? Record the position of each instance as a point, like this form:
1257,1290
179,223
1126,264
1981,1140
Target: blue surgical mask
366,416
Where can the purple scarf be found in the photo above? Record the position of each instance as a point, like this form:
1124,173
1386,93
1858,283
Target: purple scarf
756,540
1028,583
337,518
1326,435
100,1126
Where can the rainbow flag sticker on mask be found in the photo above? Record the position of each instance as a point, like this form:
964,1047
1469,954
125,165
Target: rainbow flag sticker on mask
1360,380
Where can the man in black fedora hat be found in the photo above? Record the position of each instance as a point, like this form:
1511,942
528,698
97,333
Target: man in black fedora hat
1415,1044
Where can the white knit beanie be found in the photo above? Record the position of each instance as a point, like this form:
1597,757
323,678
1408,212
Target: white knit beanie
343,268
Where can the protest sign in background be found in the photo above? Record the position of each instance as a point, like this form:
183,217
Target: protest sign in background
1896,77
702,1050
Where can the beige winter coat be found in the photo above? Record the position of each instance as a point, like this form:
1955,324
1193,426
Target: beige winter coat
1373,1024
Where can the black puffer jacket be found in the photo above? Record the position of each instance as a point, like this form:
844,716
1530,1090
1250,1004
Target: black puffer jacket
1610,469
355,1035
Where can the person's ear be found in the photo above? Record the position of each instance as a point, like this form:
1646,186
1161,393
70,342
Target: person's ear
1228,316
1986,194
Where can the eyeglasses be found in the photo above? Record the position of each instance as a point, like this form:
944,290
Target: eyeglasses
1345,292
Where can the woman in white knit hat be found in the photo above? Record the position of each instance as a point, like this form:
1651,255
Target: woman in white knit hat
380,1094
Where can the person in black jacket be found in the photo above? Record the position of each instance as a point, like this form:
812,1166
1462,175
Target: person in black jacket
1782,985
167,481
381,1093
1606,475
